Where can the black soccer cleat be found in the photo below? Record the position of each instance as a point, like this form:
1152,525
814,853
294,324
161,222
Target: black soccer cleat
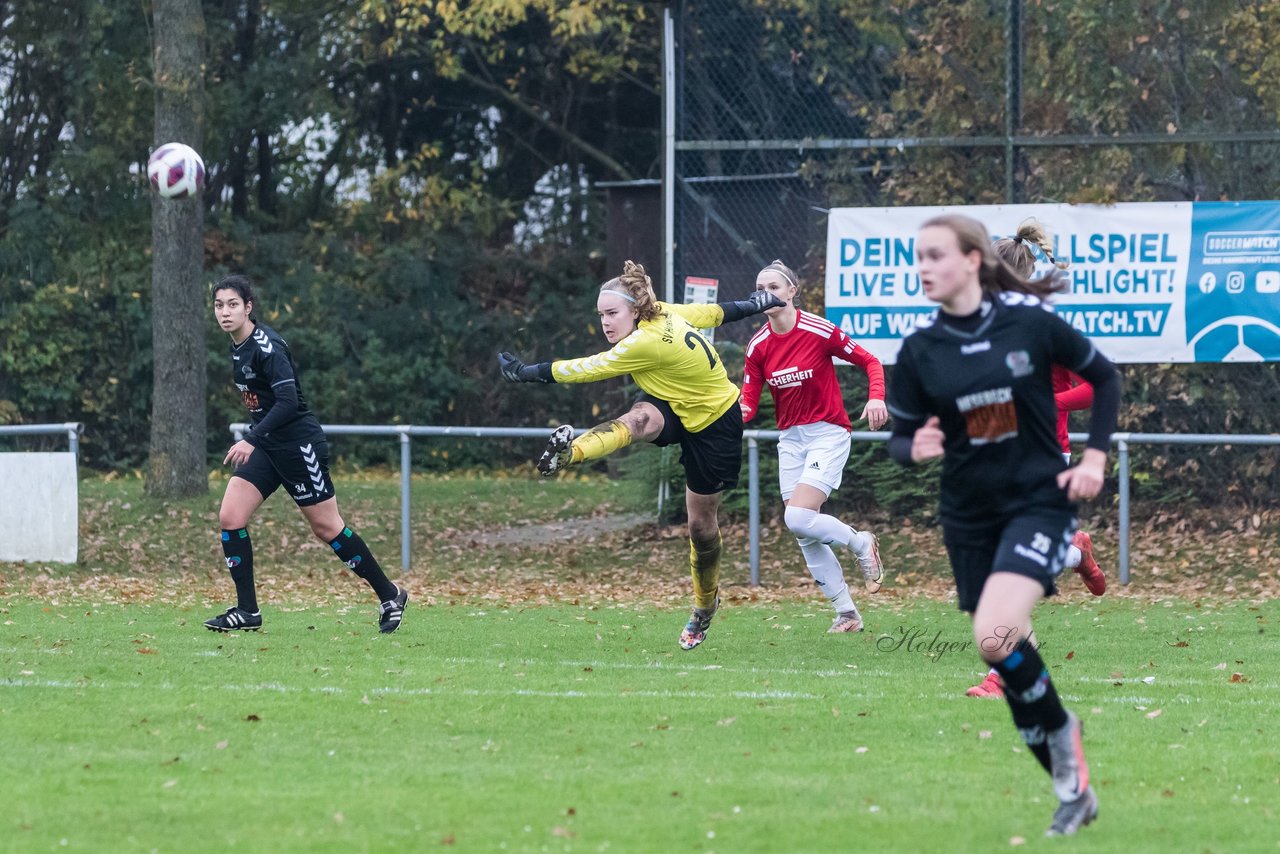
235,620
559,453
392,611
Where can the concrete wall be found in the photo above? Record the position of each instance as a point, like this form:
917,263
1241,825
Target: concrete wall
39,507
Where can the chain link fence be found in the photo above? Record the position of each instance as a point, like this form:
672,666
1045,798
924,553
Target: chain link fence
787,108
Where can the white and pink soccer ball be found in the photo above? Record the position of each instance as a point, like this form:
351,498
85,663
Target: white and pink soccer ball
175,171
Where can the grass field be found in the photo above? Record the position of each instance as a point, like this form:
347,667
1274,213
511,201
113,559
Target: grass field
535,698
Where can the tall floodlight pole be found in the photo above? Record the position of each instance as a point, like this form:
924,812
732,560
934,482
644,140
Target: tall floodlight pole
668,153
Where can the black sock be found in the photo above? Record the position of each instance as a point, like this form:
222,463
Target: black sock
1032,699
239,553
355,554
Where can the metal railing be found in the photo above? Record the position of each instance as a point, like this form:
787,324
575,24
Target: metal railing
73,429
406,435
1122,441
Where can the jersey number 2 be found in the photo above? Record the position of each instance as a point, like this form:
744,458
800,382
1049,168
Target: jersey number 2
692,339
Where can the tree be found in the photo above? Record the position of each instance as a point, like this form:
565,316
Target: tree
177,455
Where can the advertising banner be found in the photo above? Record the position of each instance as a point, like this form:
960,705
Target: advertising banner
1148,282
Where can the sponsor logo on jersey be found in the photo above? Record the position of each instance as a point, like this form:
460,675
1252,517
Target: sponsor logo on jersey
789,377
1019,362
989,416
979,347
248,372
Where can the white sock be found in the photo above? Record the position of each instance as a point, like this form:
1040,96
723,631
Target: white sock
826,529
1073,557
824,566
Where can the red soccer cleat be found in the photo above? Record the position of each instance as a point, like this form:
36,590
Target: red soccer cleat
1088,570
989,687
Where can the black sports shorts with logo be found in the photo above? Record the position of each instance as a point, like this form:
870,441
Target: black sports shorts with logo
712,457
302,468
1032,541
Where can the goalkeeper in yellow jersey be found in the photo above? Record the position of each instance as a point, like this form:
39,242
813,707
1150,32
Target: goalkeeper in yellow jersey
687,398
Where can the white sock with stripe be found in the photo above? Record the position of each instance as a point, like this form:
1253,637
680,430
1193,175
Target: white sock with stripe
824,566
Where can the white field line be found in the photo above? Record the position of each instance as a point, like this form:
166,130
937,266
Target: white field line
678,666
853,670
277,688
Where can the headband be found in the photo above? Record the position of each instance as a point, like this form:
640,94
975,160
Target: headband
783,273
628,297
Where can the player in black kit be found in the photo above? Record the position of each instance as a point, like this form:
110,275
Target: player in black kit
973,386
284,447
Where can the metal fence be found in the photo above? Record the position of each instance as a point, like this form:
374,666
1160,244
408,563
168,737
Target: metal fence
782,110
405,435
72,430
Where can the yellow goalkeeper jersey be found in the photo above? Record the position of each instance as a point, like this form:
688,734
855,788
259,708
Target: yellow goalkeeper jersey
669,359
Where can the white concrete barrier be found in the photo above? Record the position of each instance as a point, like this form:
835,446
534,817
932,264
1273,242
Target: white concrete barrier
39,507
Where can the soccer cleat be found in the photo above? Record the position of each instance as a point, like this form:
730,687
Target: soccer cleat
1070,816
846,621
872,567
991,686
391,612
1088,570
1066,752
695,631
559,452
235,619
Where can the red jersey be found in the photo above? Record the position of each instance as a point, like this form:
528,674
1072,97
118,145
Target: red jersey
797,368
1070,393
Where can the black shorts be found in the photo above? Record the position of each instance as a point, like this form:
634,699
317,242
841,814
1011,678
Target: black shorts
712,457
303,469
1032,542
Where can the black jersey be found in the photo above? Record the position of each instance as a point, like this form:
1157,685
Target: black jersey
987,378
263,369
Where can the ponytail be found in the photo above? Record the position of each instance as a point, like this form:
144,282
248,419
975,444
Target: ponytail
995,274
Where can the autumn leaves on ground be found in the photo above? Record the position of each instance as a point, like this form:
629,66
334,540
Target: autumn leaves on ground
519,539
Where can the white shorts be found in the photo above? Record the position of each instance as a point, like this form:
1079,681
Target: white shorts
812,454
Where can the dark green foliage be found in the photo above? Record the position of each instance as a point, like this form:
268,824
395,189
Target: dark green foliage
382,182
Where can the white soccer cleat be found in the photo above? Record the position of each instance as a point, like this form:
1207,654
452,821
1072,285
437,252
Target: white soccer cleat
872,567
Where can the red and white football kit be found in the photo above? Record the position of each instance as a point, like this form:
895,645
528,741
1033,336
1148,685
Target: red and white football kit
797,368
1071,393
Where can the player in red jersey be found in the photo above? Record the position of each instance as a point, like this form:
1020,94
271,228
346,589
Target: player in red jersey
791,354
1071,393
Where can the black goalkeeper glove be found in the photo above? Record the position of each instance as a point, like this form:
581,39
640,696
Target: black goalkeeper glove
759,301
516,371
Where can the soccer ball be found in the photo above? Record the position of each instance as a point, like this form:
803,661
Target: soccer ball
175,171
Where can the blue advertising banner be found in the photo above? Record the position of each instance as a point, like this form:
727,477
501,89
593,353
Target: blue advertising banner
1148,282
